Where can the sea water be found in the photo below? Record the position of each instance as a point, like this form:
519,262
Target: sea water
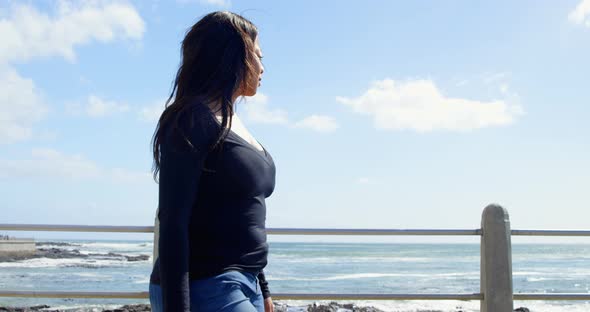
354,268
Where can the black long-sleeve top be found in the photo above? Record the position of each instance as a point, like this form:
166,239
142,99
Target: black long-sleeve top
212,208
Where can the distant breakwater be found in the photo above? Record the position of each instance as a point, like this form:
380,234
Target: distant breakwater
16,246
59,253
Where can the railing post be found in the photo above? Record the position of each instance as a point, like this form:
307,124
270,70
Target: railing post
496,261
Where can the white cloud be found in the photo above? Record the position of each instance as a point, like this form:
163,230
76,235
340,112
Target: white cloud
49,163
21,105
363,180
419,105
29,33
96,107
257,110
318,123
580,15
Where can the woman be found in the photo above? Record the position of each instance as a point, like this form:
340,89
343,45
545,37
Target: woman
213,177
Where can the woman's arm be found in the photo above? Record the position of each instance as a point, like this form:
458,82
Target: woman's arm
156,237
180,171
268,304
263,285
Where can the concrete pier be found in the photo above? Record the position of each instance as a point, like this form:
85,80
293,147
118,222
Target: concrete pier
18,246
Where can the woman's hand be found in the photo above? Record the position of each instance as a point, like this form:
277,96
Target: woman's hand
268,305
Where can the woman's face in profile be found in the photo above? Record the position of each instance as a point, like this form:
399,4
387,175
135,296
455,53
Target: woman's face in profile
254,78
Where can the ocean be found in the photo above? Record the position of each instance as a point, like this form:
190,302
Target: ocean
317,268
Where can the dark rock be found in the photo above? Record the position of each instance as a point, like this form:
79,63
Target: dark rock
56,244
57,253
137,258
26,309
280,307
11,257
83,266
335,306
522,309
126,308
132,308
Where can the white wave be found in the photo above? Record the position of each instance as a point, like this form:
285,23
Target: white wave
52,263
552,256
86,248
556,275
83,275
401,306
58,247
537,279
102,253
93,276
127,246
528,273
359,275
334,259
83,308
374,275
447,306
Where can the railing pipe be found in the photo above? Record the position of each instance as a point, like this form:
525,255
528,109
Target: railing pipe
270,231
550,233
278,296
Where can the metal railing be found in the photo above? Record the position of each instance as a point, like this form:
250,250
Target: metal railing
496,291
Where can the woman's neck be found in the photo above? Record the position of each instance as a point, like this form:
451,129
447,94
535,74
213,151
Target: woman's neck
215,107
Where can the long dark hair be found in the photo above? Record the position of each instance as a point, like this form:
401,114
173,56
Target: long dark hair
216,61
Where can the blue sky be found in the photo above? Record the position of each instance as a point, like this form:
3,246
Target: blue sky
384,114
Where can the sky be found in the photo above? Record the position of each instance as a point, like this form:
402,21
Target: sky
378,114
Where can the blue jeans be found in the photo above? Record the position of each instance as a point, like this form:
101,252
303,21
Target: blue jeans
233,291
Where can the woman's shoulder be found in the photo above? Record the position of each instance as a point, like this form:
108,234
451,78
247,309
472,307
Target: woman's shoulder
195,127
201,119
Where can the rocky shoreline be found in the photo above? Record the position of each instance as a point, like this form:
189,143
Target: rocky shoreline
57,253
279,307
